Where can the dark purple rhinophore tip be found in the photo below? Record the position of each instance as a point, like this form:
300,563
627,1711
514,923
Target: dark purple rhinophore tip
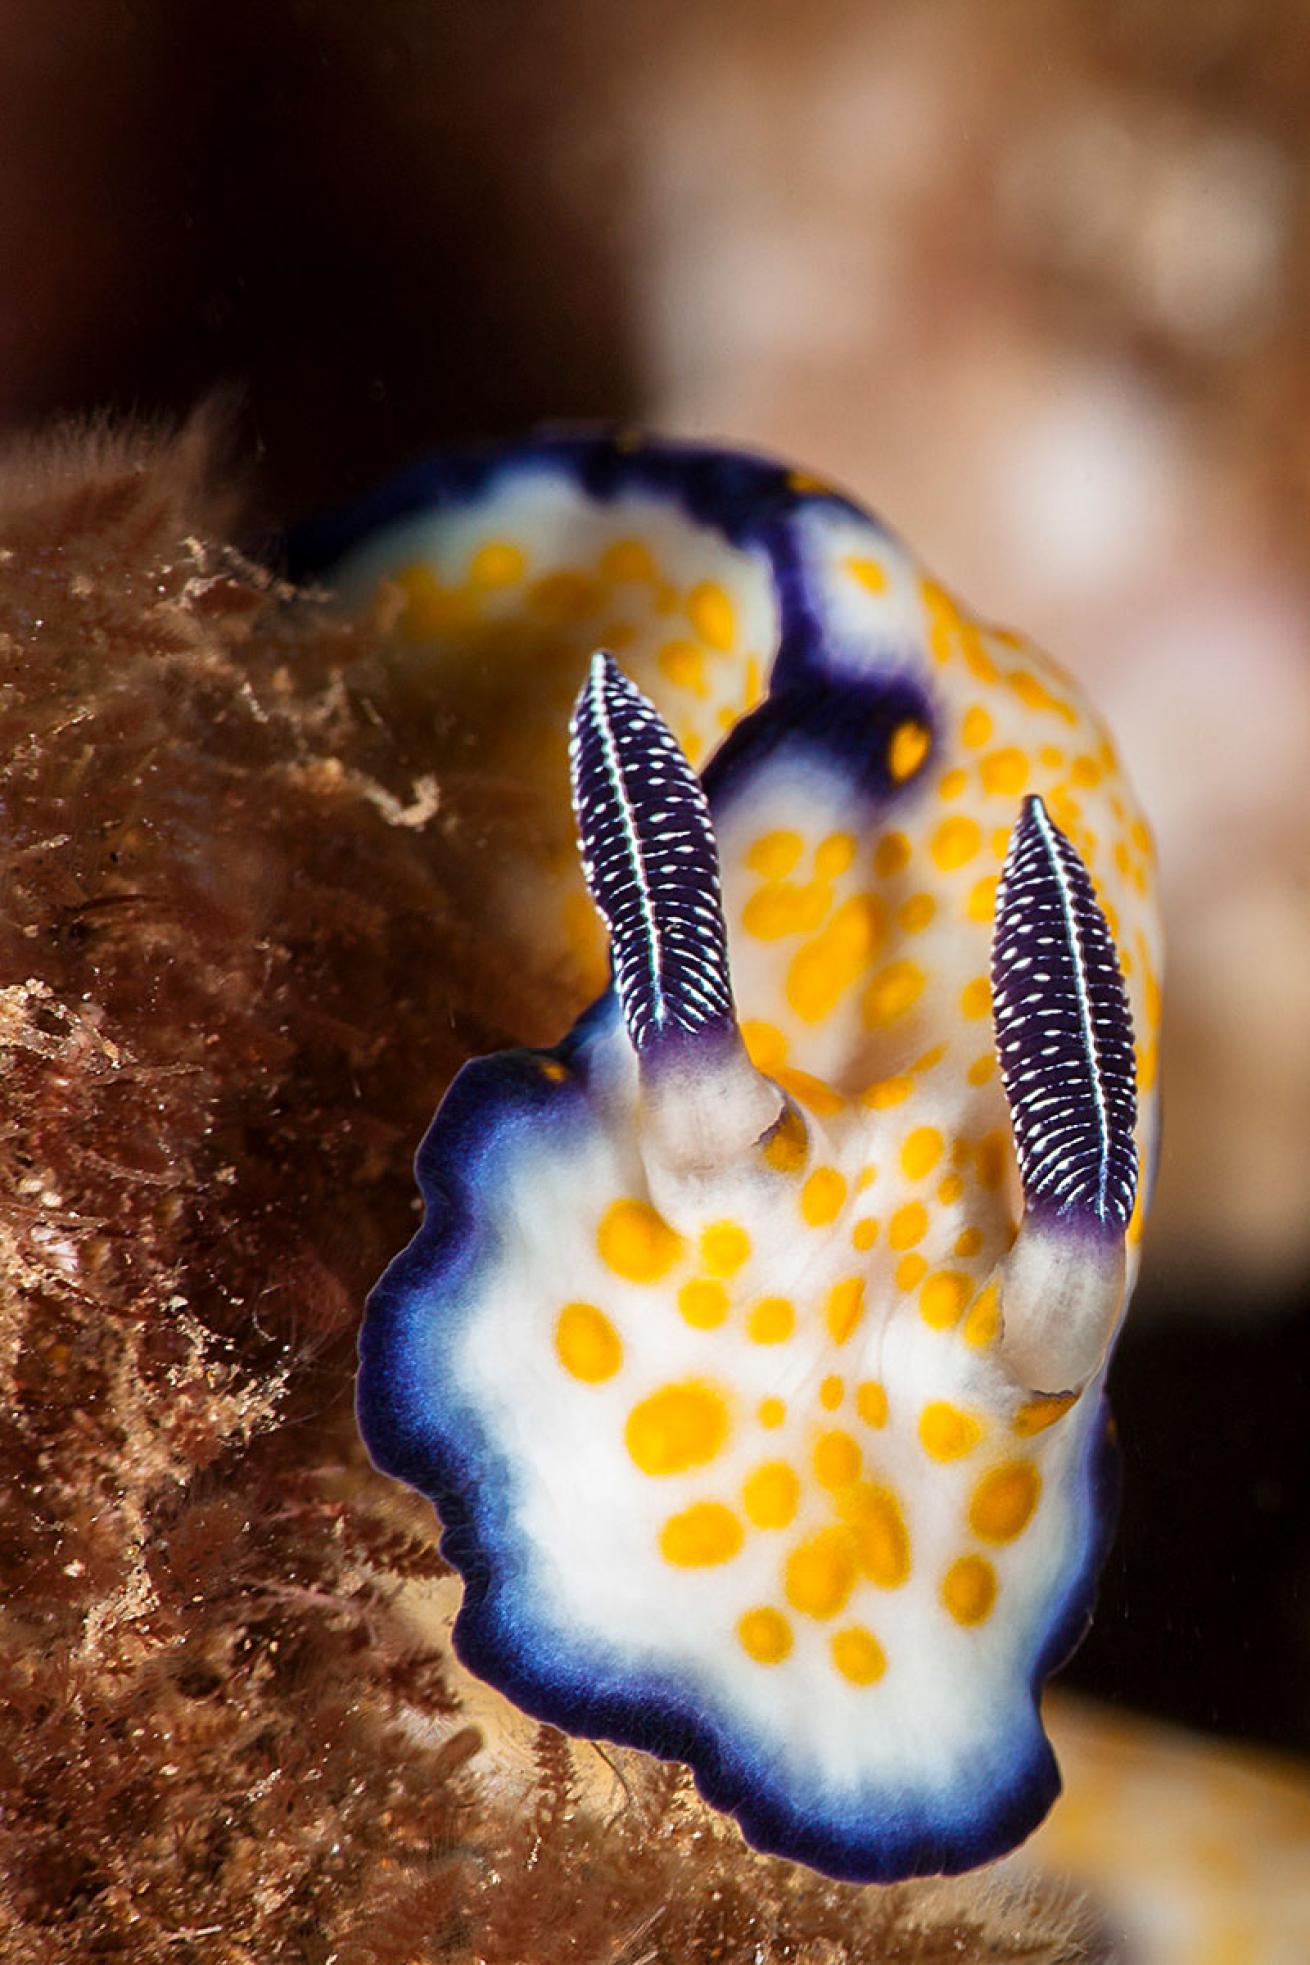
651,863
1064,1031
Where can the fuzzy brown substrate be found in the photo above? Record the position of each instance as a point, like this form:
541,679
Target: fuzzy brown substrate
234,978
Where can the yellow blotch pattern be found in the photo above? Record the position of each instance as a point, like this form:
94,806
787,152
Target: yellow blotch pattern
871,1402
765,1635
587,1344
866,572
1004,1500
954,843
770,1494
882,1541
1004,772
703,1302
844,1308
683,664
824,969
712,615
771,1321
982,1326
921,1152
976,997
724,1247
891,854
945,1432
858,1655
865,1233
915,914
785,1149
892,993
822,1196
766,1047
636,1243
1035,1415
820,1572
627,560
784,908
771,1414
909,746
497,563
834,854
977,727
908,1225
704,1534
837,1459
943,1298
677,1427
774,854
969,1589
831,1393
887,1092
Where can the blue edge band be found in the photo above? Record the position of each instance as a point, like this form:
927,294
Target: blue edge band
492,1107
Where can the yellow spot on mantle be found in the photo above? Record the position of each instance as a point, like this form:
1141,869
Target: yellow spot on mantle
955,842
858,1655
765,1635
982,1326
822,1196
820,1572
785,908
703,1303
921,1152
822,970
770,1494
969,1589
636,1243
1037,1414
1004,772
946,1433
871,1402
1004,1500
678,1427
909,746
628,560
712,615
891,854
908,1225
724,1248
774,854
498,563
869,574
701,1535
587,1344
893,991
882,1540
844,1308
943,1299
771,1321
837,1459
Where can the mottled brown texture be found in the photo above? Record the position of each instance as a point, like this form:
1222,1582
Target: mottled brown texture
232,983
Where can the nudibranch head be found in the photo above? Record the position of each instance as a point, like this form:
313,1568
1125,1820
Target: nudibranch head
752,1347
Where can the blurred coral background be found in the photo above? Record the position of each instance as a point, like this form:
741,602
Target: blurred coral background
1031,279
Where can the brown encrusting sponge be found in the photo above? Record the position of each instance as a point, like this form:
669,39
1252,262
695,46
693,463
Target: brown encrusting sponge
237,966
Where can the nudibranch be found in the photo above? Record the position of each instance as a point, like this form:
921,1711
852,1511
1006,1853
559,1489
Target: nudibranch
753,1344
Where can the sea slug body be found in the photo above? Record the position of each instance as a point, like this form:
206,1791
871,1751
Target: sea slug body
753,1344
